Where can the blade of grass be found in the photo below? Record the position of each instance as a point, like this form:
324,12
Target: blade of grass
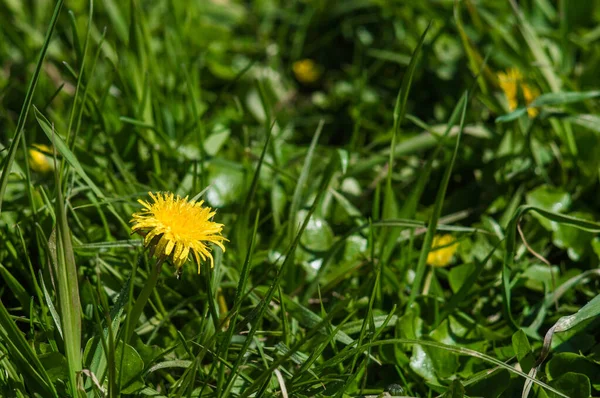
450,348
275,364
302,179
223,350
437,208
511,243
289,257
388,237
23,356
71,159
68,289
12,151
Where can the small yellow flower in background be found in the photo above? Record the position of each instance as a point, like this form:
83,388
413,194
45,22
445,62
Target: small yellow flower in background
510,82
530,94
442,250
39,160
173,227
306,71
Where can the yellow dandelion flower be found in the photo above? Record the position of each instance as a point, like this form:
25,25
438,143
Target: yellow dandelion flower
530,93
442,251
39,160
306,71
173,227
509,83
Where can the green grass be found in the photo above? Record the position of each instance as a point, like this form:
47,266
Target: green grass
331,193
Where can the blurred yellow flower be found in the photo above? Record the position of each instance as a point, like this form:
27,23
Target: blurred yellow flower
306,71
173,227
510,82
442,250
39,161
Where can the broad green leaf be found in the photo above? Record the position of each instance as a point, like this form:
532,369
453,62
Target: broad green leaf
575,241
226,184
565,362
575,385
550,199
130,373
55,364
523,350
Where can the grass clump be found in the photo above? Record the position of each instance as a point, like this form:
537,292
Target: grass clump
380,199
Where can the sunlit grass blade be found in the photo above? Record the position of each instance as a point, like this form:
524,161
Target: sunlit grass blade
387,237
12,151
437,207
96,355
288,259
450,348
66,278
25,359
242,223
275,364
511,244
237,302
302,179
71,159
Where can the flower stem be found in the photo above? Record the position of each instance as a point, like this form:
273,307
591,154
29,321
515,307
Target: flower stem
140,302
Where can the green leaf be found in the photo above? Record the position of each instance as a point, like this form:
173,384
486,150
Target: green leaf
517,113
588,311
456,390
564,362
226,184
491,385
561,98
131,370
445,363
574,240
215,141
459,274
523,350
55,364
575,385
550,199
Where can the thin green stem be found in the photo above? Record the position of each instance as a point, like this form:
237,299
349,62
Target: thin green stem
142,299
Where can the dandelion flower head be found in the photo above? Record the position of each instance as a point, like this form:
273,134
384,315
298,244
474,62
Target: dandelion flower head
510,82
306,71
39,160
174,227
442,250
